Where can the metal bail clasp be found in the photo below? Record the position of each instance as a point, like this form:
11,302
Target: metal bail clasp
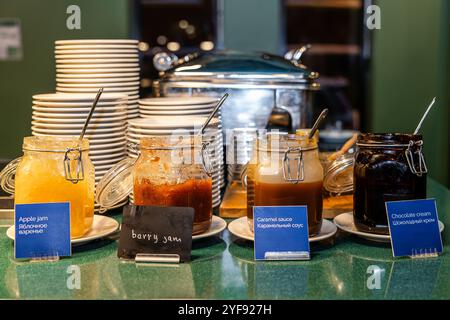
206,161
410,154
77,155
300,166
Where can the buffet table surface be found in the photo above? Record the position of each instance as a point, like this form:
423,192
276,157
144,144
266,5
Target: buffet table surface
223,268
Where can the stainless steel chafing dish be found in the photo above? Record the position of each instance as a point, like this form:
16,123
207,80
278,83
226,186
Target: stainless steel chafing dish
259,84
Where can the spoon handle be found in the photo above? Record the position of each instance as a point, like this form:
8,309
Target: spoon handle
213,113
316,125
91,112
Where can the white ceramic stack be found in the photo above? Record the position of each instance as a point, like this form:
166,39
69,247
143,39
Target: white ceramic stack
83,66
167,125
64,114
177,106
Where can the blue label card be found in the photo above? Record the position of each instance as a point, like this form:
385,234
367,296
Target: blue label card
42,230
281,233
414,228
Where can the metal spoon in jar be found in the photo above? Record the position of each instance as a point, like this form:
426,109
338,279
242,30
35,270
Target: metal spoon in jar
424,116
91,112
213,113
316,125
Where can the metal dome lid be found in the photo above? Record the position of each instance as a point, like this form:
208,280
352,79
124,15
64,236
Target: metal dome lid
236,67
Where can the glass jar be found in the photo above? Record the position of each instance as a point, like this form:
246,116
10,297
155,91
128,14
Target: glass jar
285,170
174,172
56,169
338,186
388,167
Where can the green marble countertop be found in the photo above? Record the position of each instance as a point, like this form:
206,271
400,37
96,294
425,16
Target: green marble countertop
223,268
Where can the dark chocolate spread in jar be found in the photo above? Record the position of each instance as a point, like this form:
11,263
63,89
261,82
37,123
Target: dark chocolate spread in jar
388,167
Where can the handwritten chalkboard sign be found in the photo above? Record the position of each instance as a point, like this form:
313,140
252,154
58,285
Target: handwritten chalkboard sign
156,230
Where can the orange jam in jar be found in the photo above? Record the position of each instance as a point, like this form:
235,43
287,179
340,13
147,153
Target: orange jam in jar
41,178
171,174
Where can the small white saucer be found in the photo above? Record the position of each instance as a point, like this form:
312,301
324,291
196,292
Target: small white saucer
240,228
345,222
101,227
217,226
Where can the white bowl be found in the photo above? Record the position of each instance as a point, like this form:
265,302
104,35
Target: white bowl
96,71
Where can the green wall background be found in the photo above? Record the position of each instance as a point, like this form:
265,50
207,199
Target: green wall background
43,22
253,25
410,67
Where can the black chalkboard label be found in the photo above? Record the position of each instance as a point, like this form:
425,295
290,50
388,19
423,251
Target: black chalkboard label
156,230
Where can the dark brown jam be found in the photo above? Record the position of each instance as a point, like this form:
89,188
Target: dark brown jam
381,174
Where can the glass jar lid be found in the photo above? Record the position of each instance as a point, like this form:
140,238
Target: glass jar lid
339,175
116,185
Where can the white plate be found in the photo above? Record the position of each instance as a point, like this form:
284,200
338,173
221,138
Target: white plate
82,106
83,115
240,228
107,146
96,80
96,66
101,227
89,135
107,157
94,142
96,41
176,113
177,108
69,126
96,51
345,222
89,76
108,150
217,226
99,85
123,90
119,119
83,62
77,97
82,56
179,101
89,132
97,70
170,122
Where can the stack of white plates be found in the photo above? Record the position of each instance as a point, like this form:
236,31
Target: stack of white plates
65,114
83,66
177,106
167,125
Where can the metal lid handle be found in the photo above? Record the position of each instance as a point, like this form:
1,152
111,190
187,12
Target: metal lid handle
7,175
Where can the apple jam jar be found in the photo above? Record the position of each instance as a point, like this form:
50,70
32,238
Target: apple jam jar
286,171
388,167
173,171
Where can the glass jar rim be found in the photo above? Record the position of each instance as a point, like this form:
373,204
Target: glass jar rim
388,138
55,144
168,143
